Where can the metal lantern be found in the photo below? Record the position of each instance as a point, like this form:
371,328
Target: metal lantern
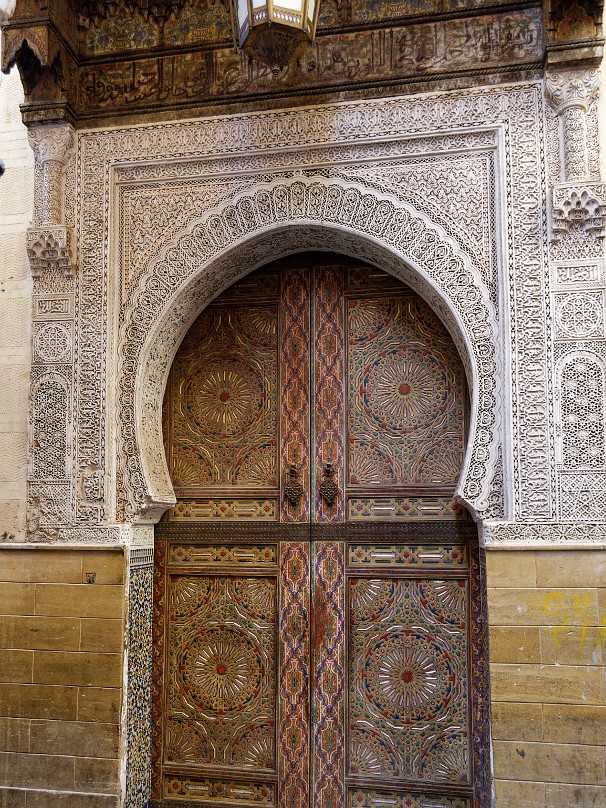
275,32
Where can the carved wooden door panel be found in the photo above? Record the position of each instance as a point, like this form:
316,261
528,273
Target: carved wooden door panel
317,623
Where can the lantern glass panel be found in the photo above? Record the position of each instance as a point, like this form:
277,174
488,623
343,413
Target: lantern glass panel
242,12
294,5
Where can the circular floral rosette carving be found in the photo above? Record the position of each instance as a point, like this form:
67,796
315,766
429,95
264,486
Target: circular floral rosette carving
223,398
406,389
222,670
370,320
189,595
187,742
408,676
253,746
444,757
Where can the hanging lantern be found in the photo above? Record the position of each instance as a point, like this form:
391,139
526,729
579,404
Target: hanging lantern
275,33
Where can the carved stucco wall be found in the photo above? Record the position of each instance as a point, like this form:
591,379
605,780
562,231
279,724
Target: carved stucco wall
447,191
16,194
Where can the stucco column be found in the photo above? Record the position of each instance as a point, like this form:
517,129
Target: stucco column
49,240
576,199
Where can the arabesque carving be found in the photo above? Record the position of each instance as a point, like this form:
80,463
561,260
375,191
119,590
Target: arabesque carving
274,220
50,243
315,136
577,200
582,205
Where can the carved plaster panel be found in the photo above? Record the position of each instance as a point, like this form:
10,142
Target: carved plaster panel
501,535
274,217
291,137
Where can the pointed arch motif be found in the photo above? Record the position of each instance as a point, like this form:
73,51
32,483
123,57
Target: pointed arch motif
286,216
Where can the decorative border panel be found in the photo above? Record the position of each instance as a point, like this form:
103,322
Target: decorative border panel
329,390
294,727
328,671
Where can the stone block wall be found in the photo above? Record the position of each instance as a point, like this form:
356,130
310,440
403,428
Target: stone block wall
547,615
61,653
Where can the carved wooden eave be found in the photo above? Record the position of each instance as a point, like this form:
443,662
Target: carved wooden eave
48,67
574,33
87,60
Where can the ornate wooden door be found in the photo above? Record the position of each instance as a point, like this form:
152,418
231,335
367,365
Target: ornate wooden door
318,617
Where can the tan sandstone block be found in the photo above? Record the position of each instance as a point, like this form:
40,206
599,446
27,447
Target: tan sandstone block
31,566
554,763
99,704
559,795
38,701
517,722
542,607
79,600
515,794
572,645
97,775
510,568
581,724
77,738
16,666
105,636
571,568
36,771
106,565
65,799
12,798
77,668
16,598
557,684
52,633
14,735
514,644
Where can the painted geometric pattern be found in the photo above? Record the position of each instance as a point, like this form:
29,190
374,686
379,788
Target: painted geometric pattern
408,679
417,507
413,555
328,711
157,651
329,386
221,671
224,413
405,395
138,756
199,509
364,798
210,790
479,674
294,732
221,555
295,398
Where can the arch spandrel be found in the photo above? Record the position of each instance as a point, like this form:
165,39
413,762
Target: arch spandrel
275,220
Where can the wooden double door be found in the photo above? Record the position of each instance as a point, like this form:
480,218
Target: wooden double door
317,610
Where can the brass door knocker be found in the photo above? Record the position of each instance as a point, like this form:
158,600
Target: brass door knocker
328,489
293,488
